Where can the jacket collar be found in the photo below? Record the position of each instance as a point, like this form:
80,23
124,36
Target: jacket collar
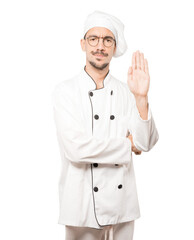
88,82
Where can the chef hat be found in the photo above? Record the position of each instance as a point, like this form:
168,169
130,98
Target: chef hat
102,19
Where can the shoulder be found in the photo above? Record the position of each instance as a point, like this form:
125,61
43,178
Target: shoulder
64,91
66,86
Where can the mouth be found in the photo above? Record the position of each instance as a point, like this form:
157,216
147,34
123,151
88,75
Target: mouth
99,55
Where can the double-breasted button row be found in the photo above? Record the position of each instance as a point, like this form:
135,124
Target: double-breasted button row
91,93
96,116
96,189
96,164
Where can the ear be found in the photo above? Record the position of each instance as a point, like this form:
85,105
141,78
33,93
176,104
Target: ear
83,44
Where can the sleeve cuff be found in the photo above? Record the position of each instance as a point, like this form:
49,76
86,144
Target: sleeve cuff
138,114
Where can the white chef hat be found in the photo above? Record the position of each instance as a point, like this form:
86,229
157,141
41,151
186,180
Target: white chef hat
102,19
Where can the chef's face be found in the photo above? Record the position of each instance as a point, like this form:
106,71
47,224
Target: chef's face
98,56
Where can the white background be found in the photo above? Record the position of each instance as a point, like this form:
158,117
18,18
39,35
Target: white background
39,47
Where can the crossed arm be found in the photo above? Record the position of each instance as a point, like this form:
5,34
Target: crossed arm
133,148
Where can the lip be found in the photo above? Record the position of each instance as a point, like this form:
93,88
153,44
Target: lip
99,55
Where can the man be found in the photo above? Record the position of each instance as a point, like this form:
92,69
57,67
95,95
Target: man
100,121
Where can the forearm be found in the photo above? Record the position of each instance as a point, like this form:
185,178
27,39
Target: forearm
142,106
145,134
142,124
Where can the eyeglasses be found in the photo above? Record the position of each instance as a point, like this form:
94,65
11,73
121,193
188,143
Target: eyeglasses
94,40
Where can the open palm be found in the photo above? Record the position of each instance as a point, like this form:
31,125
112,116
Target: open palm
138,75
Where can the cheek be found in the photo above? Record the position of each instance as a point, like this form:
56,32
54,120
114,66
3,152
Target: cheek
111,52
89,50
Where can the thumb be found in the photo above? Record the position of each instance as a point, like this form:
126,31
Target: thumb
130,70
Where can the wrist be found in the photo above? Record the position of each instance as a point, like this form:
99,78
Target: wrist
141,99
142,106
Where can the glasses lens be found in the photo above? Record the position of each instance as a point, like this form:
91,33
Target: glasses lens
108,42
93,41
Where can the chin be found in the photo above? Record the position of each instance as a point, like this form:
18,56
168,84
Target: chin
99,66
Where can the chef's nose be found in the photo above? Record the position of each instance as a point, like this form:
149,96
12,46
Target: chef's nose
100,44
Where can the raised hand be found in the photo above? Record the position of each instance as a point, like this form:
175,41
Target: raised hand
138,75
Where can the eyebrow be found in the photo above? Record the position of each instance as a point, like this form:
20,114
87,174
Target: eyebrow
97,36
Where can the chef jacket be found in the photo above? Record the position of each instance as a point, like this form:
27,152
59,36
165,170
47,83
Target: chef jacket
97,184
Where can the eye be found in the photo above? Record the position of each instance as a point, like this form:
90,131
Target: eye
108,39
92,38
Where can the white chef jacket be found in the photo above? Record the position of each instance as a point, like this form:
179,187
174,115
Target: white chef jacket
97,183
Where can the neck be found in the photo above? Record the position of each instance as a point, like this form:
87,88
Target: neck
96,74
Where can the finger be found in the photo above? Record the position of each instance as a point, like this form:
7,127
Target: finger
137,60
130,70
130,74
142,62
138,153
146,66
133,61
135,149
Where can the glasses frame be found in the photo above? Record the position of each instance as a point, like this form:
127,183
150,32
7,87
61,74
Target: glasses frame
99,39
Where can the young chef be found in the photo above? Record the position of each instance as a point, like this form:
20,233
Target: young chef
100,121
